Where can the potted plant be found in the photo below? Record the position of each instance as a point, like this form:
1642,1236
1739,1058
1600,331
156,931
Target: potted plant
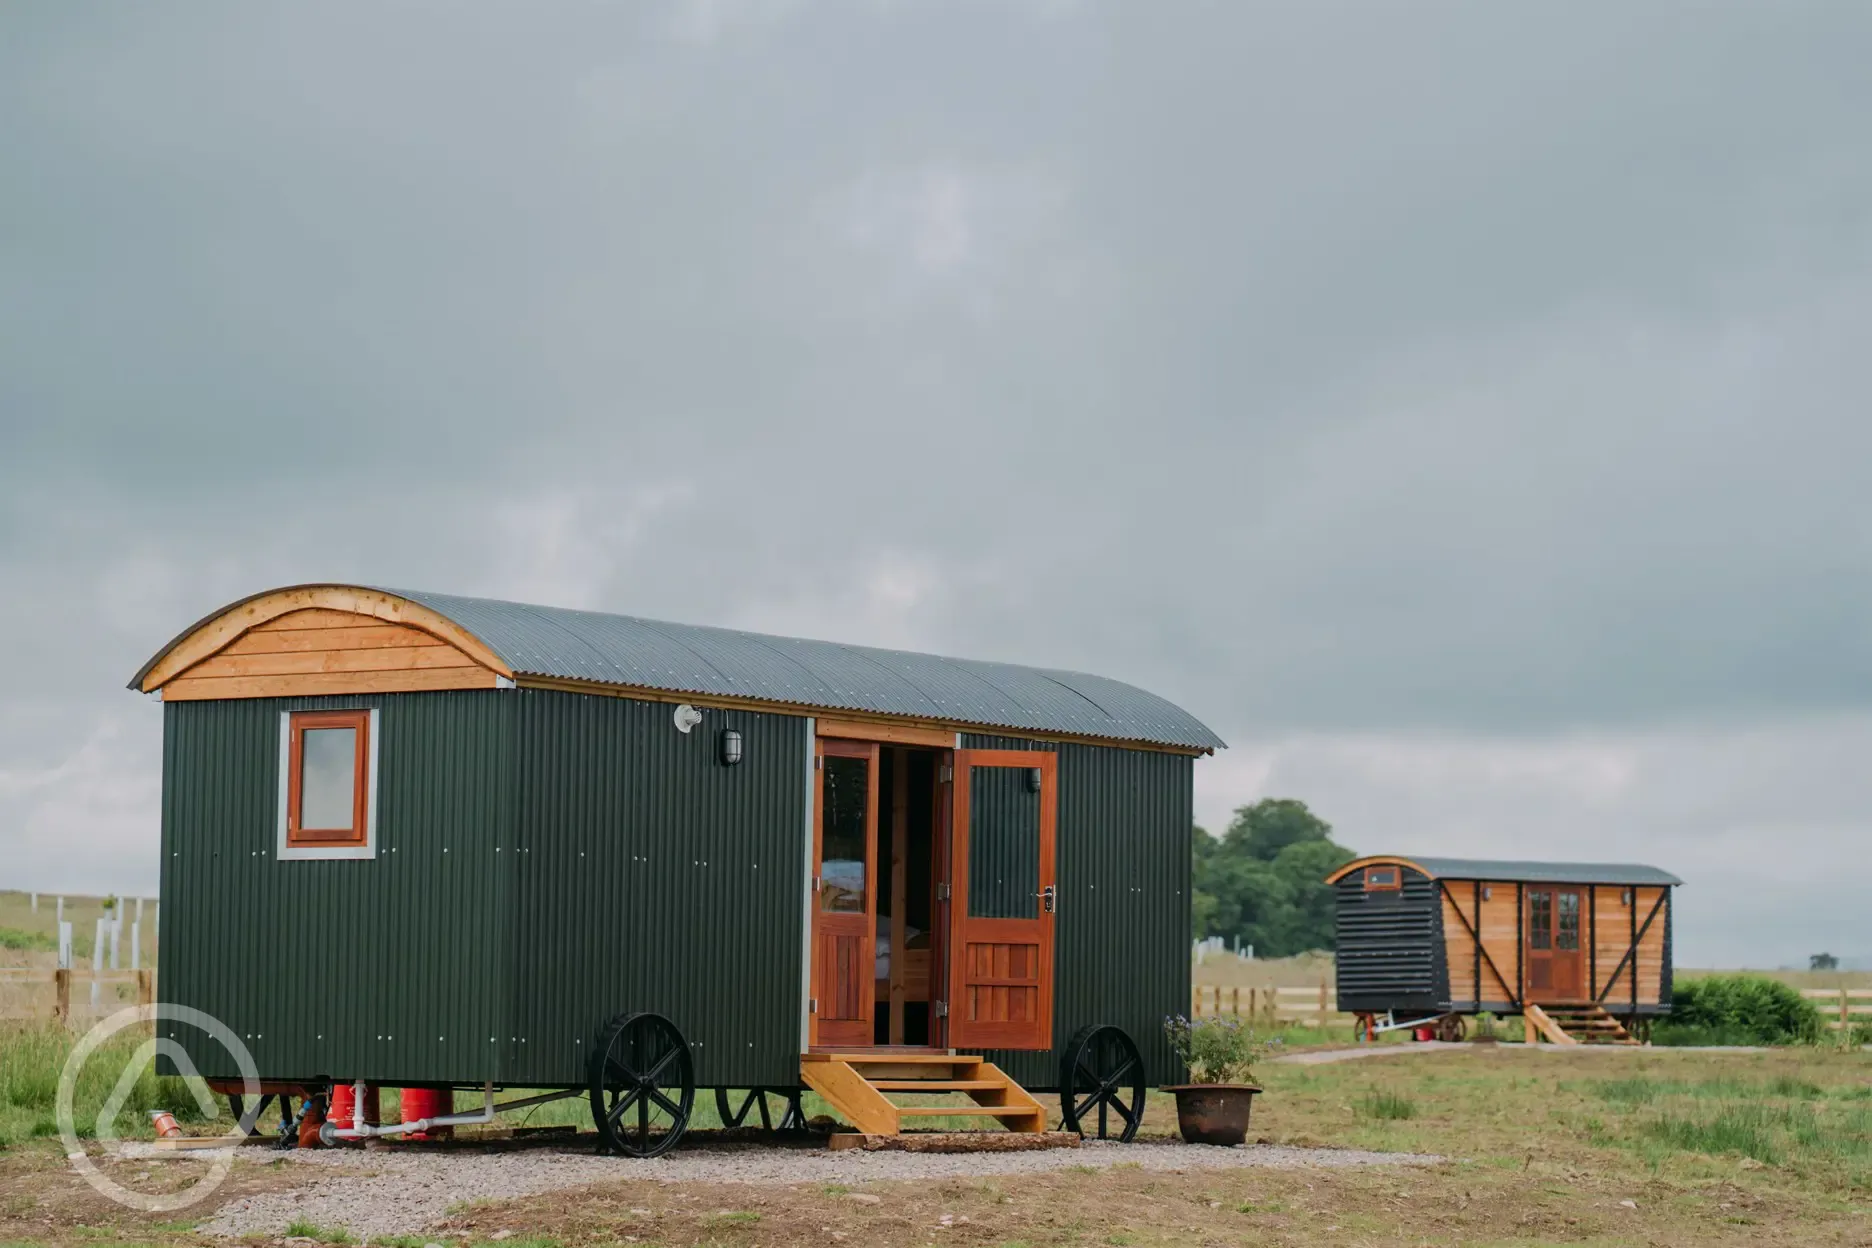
1220,1054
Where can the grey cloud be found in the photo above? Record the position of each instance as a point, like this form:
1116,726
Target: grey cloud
1337,371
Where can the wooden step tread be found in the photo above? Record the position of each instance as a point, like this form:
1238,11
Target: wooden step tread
959,1111
896,1059
936,1085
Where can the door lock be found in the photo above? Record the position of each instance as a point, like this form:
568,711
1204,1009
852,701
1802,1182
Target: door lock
1046,897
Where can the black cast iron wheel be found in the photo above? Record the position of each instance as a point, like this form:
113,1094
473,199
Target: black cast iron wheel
786,1101
1102,1083
642,1085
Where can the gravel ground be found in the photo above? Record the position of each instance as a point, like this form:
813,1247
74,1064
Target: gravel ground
401,1194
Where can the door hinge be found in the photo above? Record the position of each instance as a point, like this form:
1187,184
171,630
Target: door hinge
817,884
942,892
941,1008
948,773
812,1005
817,763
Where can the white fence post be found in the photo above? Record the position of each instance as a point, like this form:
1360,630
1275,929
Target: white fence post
139,917
136,944
116,939
61,909
65,945
35,903
97,955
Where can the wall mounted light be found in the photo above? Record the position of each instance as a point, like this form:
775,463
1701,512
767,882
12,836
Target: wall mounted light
1033,779
1488,894
1625,898
730,747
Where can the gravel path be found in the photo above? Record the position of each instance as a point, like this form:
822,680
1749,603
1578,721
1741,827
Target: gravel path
1317,1057
391,1194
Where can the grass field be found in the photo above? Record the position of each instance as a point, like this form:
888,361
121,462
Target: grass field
30,938
1605,1148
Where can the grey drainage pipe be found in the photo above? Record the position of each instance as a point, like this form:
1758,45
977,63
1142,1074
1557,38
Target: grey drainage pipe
360,1130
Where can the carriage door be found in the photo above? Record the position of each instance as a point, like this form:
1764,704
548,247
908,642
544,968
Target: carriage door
1553,945
844,914
1003,806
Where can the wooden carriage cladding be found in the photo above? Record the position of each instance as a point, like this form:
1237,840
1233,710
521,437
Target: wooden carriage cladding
427,840
1424,936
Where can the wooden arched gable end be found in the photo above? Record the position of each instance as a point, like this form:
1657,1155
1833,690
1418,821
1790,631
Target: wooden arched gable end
322,639
1376,860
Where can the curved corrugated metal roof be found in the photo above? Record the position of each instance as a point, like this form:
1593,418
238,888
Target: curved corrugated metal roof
693,658
1530,872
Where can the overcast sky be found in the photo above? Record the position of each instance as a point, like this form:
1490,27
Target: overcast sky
1462,409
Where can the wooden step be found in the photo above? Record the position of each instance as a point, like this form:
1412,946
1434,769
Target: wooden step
854,1084
897,1059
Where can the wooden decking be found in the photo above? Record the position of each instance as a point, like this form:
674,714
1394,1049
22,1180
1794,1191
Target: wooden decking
860,1086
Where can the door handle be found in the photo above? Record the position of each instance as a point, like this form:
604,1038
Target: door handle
1046,896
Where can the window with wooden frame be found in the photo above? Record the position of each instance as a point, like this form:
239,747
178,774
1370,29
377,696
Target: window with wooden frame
328,784
1383,879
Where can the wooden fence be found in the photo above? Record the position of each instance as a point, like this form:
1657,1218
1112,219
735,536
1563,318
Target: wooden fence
1269,1006
74,993
1843,1008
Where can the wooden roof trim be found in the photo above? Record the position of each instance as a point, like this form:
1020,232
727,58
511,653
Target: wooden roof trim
720,702
1493,877
1376,860
214,634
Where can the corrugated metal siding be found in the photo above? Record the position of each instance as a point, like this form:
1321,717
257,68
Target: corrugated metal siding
386,969
1122,939
1389,946
651,877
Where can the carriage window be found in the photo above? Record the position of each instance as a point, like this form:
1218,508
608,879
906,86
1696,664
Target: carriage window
1566,930
1378,878
845,834
1540,920
326,776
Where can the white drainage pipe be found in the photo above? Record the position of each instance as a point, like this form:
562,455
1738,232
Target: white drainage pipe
360,1130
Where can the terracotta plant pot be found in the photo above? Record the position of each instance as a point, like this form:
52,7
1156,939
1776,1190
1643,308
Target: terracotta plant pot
1214,1113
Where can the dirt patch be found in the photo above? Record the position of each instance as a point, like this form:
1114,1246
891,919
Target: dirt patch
1347,1207
412,1192
42,1198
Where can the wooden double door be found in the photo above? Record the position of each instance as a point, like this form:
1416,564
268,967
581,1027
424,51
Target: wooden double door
990,948
1555,926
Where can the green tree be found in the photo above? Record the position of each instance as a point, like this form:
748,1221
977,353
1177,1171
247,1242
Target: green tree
1261,883
1272,824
